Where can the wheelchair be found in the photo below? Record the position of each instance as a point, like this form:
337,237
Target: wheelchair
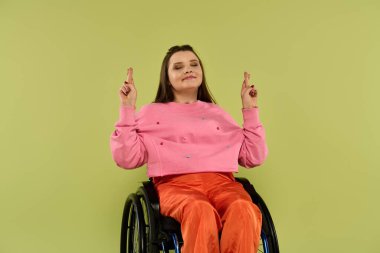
145,230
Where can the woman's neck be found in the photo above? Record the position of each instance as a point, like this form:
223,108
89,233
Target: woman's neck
185,98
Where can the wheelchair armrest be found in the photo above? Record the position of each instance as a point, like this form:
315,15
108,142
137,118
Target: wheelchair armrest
248,187
152,195
165,223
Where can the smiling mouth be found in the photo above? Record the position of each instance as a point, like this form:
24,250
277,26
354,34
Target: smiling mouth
190,77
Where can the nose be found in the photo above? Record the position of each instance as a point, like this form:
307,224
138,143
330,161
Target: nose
188,70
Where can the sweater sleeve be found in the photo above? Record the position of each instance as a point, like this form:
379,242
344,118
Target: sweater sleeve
254,149
127,147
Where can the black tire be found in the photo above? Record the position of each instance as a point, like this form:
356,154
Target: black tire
132,227
269,241
150,221
268,232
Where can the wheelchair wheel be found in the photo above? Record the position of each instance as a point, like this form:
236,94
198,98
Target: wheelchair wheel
150,221
268,240
268,232
132,229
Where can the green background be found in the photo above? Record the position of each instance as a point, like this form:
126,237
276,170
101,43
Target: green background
315,65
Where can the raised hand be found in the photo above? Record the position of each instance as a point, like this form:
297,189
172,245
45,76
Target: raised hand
128,92
248,93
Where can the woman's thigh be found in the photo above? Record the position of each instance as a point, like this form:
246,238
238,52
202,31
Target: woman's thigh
176,201
224,194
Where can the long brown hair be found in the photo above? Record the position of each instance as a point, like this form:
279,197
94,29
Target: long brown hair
165,93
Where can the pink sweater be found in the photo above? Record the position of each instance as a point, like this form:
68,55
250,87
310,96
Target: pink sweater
175,138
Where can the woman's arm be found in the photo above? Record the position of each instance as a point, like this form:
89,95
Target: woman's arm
127,147
254,149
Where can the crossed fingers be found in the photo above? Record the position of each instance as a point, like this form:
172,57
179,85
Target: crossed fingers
253,92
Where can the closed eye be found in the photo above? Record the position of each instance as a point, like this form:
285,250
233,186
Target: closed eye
193,65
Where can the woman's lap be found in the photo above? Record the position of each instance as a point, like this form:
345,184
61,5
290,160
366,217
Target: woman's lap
220,190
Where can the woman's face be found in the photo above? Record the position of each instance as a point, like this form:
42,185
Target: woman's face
185,72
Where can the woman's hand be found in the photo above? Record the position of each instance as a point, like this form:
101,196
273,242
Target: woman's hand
128,92
248,93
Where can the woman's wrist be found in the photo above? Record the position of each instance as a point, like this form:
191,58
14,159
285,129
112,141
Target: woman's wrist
250,107
126,104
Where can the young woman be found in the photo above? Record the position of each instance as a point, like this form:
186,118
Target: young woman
192,147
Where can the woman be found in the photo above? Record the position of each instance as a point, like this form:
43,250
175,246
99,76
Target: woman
192,147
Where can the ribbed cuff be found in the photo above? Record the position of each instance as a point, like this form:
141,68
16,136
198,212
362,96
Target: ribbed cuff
251,116
127,115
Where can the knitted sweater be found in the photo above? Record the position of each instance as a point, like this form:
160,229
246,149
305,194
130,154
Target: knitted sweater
175,138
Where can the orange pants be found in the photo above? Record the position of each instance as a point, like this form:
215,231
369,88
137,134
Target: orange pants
207,204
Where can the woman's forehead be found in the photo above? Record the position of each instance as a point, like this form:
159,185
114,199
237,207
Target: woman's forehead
183,56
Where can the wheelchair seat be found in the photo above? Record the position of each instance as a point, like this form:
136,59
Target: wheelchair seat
145,230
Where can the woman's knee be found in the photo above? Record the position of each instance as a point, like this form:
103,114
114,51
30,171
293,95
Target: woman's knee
199,207
244,210
201,210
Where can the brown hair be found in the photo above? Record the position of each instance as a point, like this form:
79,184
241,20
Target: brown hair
165,93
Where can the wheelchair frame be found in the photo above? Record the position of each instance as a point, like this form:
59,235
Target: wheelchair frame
145,230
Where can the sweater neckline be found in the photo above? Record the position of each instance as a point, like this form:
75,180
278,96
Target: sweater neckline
185,107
